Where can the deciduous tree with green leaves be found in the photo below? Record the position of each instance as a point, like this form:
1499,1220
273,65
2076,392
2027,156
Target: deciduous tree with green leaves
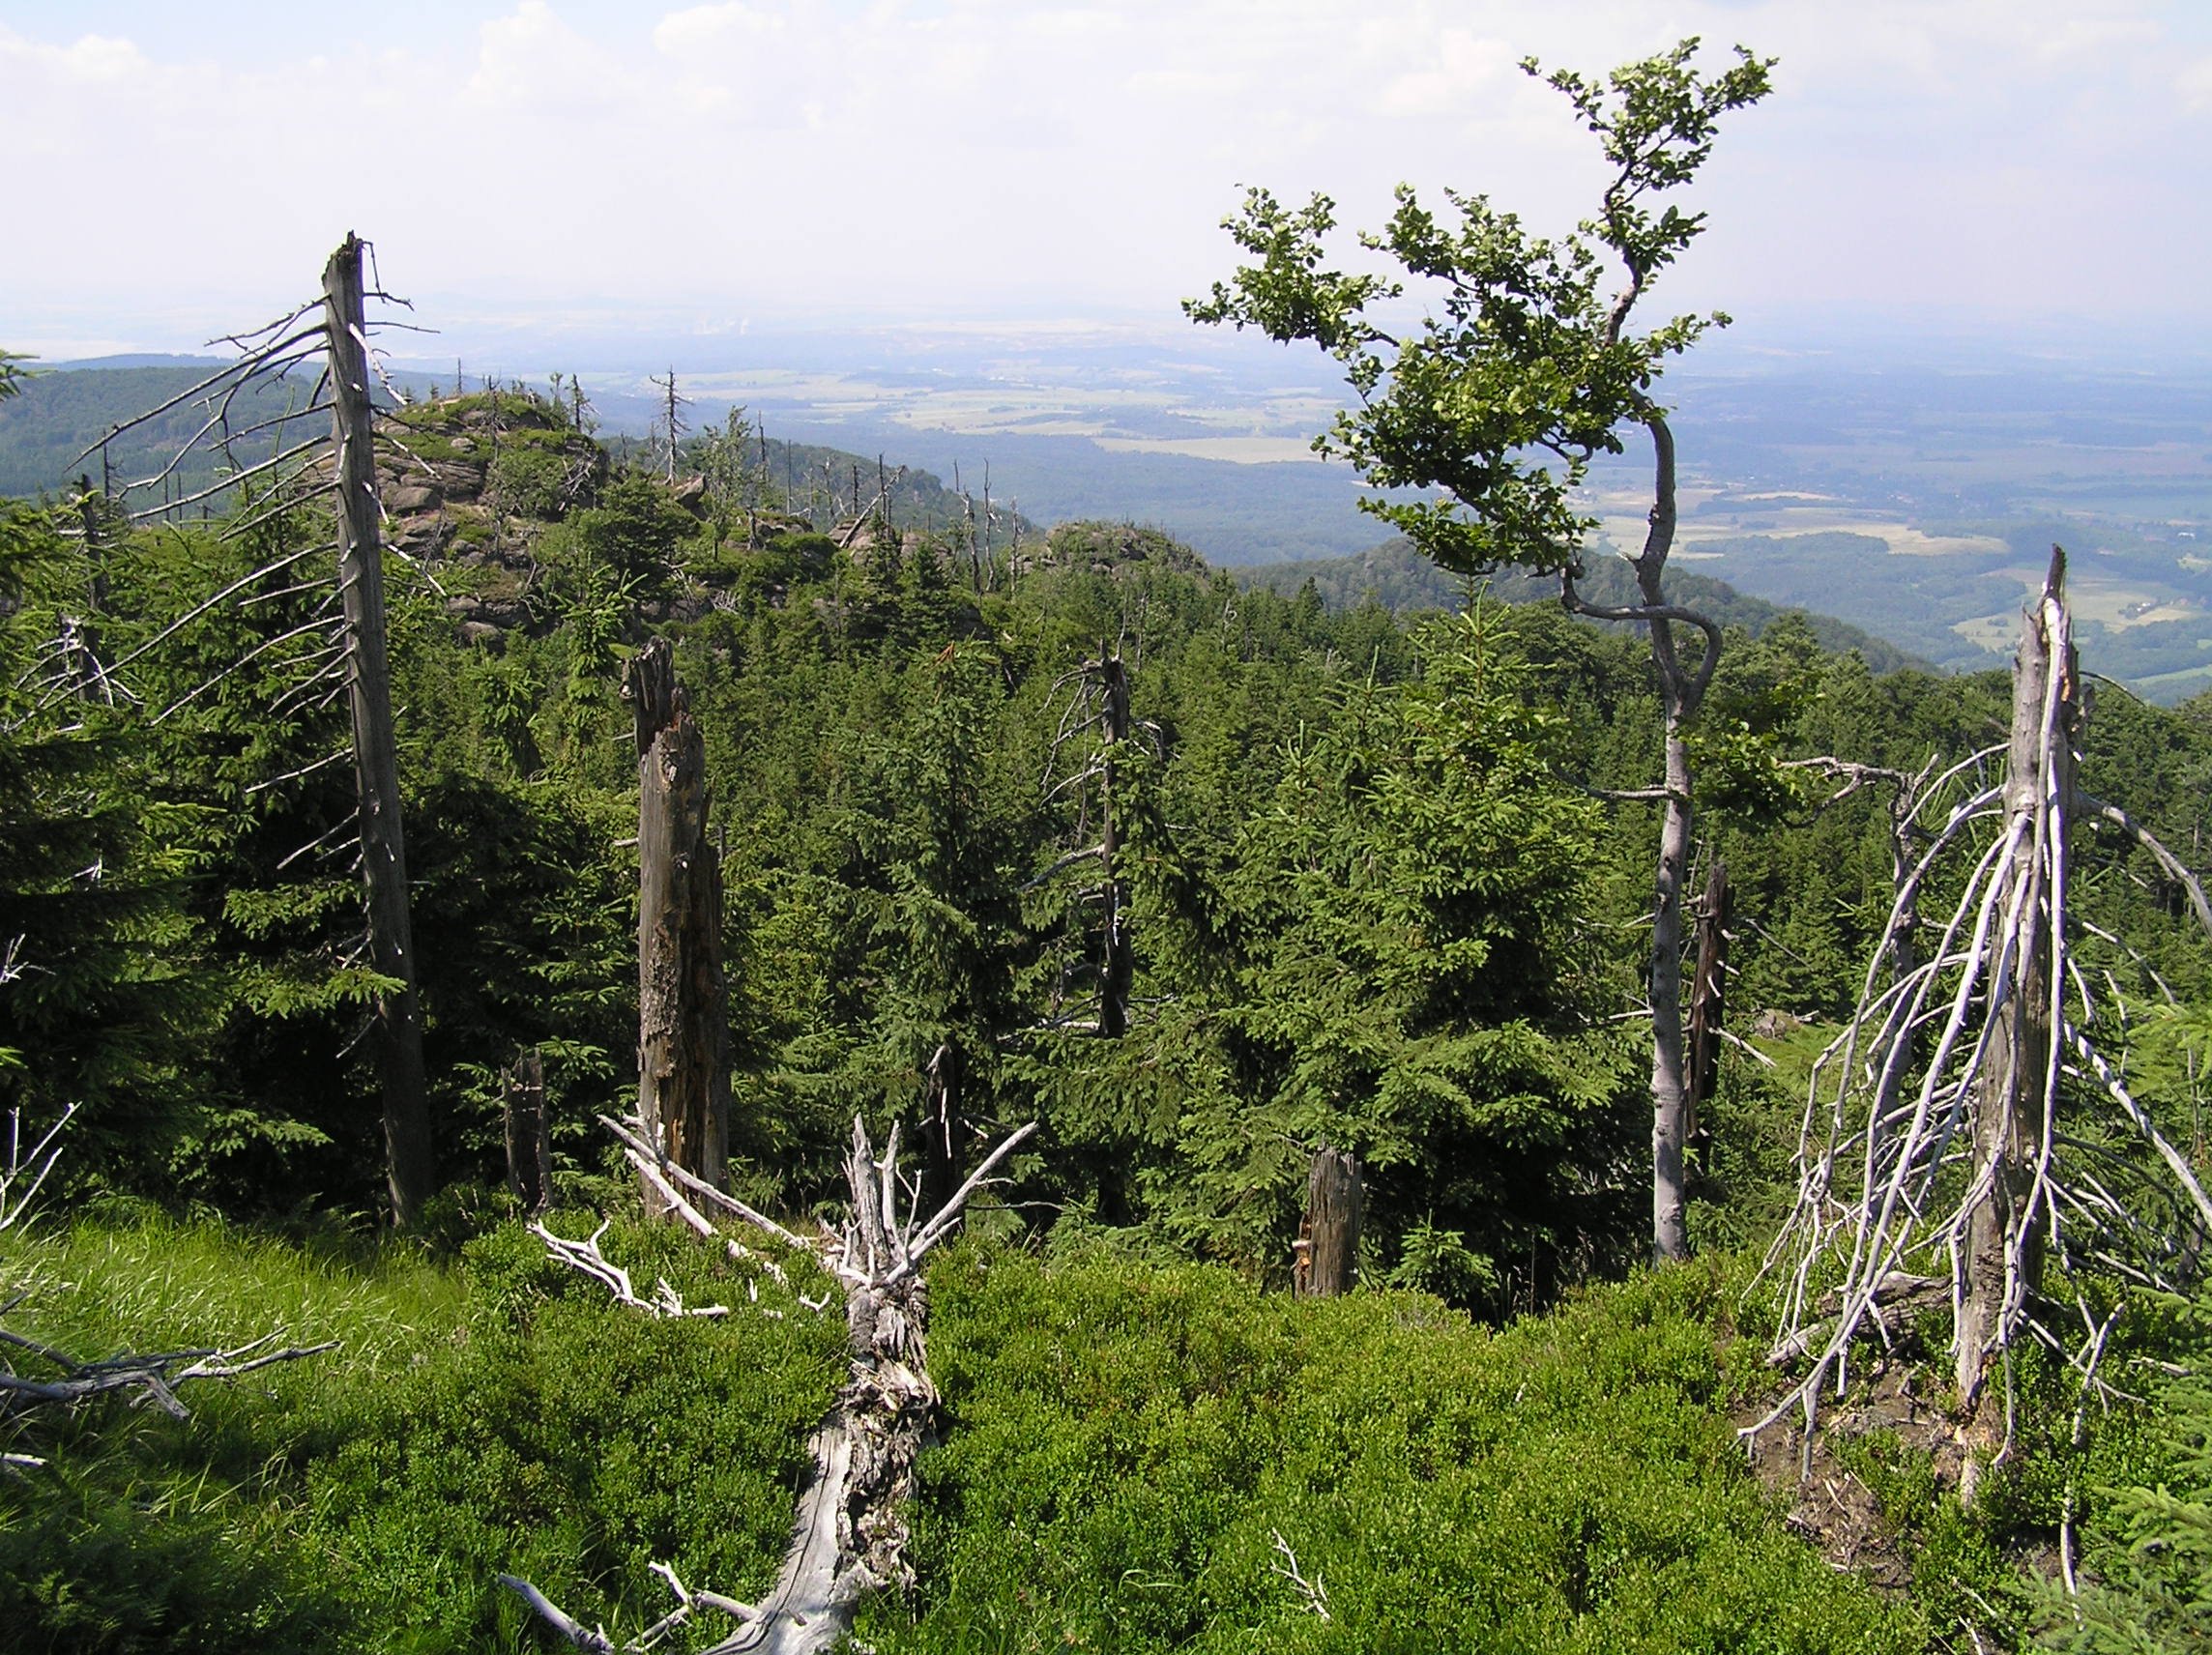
1497,398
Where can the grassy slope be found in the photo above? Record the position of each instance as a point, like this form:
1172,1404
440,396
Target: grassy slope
1125,1441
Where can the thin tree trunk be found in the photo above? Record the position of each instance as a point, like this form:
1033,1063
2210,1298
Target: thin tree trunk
1681,692
1670,1090
2003,1248
1708,1005
409,1166
1669,1081
683,1043
529,1147
1334,1203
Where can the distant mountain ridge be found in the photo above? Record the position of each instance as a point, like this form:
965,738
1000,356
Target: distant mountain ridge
1400,579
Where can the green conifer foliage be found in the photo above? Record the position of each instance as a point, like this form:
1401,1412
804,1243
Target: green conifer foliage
1421,980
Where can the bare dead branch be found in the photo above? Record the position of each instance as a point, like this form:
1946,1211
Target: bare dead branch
585,1257
156,1375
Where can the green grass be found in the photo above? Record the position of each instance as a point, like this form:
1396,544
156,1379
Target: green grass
495,1415
1125,1441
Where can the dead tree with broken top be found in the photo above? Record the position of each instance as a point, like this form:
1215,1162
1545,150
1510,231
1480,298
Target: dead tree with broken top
1328,1261
529,1144
683,997
412,1170
340,650
849,1537
1964,1137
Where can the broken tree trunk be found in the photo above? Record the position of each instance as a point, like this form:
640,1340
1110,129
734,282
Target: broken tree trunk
682,1028
411,1173
1931,1145
1334,1201
1709,1000
849,1534
529,1145
2018,1079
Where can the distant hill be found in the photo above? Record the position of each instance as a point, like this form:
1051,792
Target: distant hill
63,411
827,485
1400,579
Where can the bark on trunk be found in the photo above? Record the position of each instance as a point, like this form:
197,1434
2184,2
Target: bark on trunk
682,1046
851,1530
528,1147
410,1166
850,1535
2011,1095
1670,1081
1334,1203
1682,691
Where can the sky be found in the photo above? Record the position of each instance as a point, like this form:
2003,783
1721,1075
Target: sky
176,170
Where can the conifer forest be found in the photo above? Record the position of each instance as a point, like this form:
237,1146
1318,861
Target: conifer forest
708,1044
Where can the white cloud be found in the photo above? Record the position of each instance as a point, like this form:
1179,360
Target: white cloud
706,26
533,60
2194,84
760,156
1461,68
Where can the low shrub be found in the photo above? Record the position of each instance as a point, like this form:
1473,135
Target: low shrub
1137,1455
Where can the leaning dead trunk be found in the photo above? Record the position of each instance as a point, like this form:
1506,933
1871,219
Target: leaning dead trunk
683,1041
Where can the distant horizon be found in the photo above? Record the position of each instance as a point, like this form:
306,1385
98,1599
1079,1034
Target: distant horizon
528,346
600,177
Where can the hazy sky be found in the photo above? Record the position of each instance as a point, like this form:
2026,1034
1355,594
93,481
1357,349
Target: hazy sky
173,166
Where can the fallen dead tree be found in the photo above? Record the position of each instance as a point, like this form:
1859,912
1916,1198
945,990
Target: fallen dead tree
1962,1135
849,1534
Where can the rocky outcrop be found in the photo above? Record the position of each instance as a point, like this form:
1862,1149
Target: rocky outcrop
1105,548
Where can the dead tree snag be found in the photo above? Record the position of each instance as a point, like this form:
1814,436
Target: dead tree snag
1933,1151
683,1039
529,1147
411,1171
1330,1233
1708,1000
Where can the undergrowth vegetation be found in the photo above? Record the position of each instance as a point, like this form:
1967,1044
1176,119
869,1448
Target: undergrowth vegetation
1142,1457
1125,1444
495,1415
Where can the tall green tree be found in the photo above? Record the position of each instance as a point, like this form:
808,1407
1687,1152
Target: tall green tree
1499,396
95,1009
1422,980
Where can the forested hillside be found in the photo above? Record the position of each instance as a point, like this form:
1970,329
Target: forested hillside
697,1048
1368,892
1402,580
